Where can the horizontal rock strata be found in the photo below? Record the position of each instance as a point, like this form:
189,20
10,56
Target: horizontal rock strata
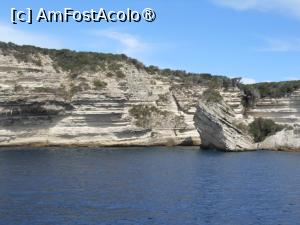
115,102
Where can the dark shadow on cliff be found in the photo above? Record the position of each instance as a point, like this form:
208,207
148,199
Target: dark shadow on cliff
32,116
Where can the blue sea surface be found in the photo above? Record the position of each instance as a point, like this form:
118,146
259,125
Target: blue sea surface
182,185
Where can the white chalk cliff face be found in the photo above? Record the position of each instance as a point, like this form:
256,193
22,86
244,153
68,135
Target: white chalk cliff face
284,111
43,105
217,124
222,125
116,103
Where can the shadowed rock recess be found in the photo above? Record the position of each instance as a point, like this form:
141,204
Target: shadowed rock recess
65,98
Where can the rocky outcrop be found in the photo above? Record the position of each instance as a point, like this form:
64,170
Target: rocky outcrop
41,104
62,98
285,110
218,124
222,127
286,140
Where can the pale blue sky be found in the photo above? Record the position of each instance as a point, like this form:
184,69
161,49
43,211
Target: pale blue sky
258,40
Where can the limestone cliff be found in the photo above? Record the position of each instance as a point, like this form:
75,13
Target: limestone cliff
218,127
51,97
284,110
222,126
42,103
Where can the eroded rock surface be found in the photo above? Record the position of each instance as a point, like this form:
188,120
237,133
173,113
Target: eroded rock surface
50,97
223,128
42,104
286,140
217,124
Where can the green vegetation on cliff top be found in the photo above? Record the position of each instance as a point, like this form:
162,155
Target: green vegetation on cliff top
212,96
253,92
76,62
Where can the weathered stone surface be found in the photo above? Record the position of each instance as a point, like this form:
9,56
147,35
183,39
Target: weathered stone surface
42,104
217,126
282,110
286,140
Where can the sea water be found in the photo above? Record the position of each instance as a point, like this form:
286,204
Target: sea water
182,185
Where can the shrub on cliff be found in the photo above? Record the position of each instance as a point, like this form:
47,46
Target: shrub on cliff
109,74
254,92
68,60
120,74
44,90
144,114
116,74
163,98
251,95
99,84
261,128
212,96
277,89
152,69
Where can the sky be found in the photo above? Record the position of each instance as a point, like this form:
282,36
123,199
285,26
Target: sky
258,40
